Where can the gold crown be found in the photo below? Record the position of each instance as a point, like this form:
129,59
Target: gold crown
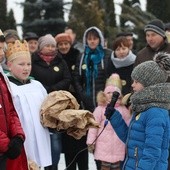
17,49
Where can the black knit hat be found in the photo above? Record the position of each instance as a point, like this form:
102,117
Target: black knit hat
30,36
156,26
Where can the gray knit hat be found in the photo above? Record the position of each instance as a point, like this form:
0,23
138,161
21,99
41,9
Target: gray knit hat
11,33
46,40
153,72
157,26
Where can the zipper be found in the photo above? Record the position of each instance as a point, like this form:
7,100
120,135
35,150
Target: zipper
130,126
136,157
102,64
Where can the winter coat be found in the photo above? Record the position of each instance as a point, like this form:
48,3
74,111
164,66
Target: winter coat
144,148
80,79
108,146
10,125
54,76
124,70
70,58
148,135
147,53
20,163
89,102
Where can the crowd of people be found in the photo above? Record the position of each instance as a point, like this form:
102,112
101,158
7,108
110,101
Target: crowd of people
134,133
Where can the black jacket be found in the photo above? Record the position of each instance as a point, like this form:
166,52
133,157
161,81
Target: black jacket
125,75
55,76
89,102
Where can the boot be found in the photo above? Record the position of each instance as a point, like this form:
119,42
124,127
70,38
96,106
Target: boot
54,167
51,167
47,168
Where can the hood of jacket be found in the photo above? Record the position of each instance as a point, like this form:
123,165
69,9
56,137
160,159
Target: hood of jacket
100,35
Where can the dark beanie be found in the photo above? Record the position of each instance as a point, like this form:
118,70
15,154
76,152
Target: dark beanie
30,36
157,26
124,34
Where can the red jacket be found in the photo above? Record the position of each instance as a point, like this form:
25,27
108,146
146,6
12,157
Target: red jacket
10,125
20,163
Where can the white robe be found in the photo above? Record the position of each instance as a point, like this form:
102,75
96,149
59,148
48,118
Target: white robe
27,101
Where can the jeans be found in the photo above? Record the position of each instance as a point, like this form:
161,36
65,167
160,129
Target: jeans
55,147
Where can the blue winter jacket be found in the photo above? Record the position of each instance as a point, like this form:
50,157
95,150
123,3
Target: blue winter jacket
146,138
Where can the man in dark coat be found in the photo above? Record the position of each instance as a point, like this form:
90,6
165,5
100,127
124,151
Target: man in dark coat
156,41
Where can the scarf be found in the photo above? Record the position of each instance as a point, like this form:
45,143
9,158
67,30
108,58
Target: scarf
17,81
152,96
92,59
123,62
48,57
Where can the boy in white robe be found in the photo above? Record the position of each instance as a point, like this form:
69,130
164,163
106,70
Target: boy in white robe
28,95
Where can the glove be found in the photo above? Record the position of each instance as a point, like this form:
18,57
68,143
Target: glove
109,111
91,148
14,147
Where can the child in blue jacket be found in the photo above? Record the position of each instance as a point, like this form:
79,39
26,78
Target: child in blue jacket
147,137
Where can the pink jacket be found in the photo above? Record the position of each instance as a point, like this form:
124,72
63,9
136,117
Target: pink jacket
108,147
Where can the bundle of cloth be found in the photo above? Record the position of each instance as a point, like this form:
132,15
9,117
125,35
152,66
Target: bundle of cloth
60,111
